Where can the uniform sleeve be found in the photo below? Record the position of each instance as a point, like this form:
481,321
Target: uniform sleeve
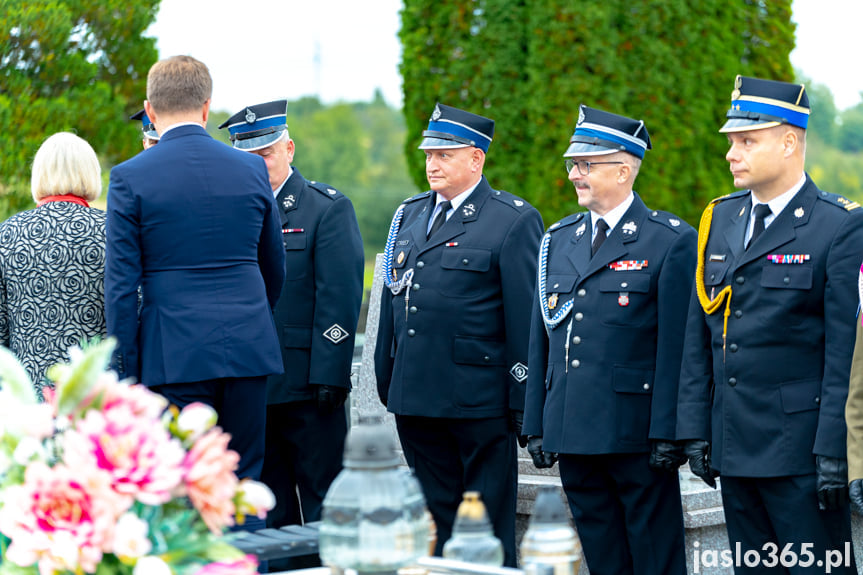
534,400
673,291
840,305
123,275
518,279
854,410
695,396
338,295
271,252
384,346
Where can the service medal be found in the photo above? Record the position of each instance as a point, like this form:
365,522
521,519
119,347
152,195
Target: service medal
552,301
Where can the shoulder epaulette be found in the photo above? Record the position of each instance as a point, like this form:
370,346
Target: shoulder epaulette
730,196
417,197
568,220
667,219
326,190
838,200
510,200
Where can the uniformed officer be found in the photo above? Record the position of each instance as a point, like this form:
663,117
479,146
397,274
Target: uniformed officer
769,337
149,135
316,318
451,355
605,345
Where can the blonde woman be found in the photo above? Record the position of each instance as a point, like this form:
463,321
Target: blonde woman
52,259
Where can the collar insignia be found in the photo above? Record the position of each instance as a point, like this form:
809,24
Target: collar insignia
630,227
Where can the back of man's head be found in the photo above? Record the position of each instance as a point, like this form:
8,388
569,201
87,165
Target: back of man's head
178,84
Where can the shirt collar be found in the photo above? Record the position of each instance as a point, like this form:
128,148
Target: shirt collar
612,218
279,189
458,200
778,203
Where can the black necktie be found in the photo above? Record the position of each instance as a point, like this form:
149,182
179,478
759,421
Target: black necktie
440,218
761,212
601,228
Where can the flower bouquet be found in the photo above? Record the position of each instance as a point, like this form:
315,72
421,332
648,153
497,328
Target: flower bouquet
104,478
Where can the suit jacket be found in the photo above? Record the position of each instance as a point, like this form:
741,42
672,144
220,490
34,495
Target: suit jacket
320,303
774,397
616,386
193,222
854,410
52,261
454,344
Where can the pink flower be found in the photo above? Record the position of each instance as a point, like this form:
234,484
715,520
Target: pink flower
248,565
144,461
210,479
60,517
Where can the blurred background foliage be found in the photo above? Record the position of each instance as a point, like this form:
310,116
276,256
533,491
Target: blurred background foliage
81,65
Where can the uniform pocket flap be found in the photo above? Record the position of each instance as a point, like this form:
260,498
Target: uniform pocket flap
294,240
787,276
478,351
560,283
632,380
622,281
296,336
472,259
714,273
802,395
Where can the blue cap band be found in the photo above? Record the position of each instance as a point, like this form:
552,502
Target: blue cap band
481,141
799,119
242,128
630,147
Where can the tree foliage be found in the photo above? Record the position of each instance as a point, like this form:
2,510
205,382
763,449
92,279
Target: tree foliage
528,64
69,65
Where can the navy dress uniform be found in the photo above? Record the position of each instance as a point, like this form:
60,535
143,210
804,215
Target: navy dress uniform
148,130
316,319
451,356
606,340
769,341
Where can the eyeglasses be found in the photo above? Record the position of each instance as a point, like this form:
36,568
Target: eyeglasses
583,165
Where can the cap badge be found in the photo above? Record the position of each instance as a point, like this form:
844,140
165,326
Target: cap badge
630,227
250,116
518,203
798,213
468,210
436,114
738,83
580,115
674,222
579,231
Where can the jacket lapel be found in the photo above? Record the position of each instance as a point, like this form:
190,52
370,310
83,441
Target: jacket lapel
579,252
467,213
735,232
288,198
626,231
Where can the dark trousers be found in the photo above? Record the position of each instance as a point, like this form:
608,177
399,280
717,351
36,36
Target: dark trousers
241,404
304,451
629,517
451,456
782,511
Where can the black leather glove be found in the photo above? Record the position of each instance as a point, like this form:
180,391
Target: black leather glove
541,459
831,480
855,493
330,397
516,419
666,455
698,453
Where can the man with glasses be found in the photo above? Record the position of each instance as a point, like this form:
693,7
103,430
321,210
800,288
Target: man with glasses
451,355
605,346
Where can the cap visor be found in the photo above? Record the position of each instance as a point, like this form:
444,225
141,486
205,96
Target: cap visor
582,149
252,144
745,125
440,144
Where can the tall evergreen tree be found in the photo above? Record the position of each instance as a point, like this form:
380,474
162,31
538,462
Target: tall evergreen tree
530,63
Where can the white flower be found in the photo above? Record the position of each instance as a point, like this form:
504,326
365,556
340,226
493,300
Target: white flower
255,498
29,448
151,565
130,537
196,419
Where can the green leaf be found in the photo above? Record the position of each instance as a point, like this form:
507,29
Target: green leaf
15,379
77,381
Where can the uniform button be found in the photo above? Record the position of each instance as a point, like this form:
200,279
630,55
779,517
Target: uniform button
740,279
582,292
576,340
733,347
416,287
486,358
556,286
646,386
738,314
412,332
817,400
732,381
413,309
579,316
712,276
575,363
786,280
421,265
624,284
465,261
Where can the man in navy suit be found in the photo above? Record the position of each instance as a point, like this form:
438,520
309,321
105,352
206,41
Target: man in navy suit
451,355
193,223
605,347
769,339
316,319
